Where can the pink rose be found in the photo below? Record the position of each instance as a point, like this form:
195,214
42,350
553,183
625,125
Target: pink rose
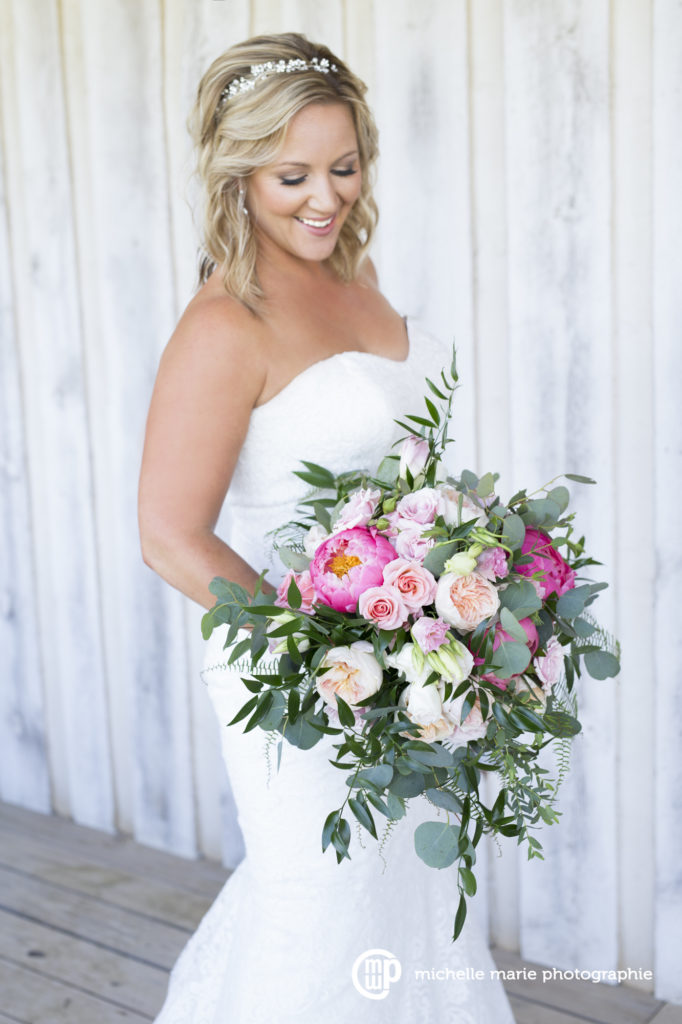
347,564
414,452
502,636
415,583
450,500
305,586
420,506
429,633
383,606
555,574
465,601
358,510
410,543
549,667
492,563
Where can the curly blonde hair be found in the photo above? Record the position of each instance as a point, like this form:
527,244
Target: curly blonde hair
237,135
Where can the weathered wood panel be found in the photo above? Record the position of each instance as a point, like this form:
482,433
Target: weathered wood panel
115,104
24,776
634,424
424,240
49,332
665,673
558,202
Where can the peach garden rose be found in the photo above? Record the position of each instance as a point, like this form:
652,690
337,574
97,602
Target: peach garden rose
466,601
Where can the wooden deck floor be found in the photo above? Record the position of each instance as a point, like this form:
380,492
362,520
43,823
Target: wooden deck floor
91,924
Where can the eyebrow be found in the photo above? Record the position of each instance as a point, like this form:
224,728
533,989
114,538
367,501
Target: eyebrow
297,163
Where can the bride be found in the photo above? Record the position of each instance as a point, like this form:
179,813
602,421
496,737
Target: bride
289,351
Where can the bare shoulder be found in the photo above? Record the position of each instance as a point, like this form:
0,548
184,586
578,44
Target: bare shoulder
218,337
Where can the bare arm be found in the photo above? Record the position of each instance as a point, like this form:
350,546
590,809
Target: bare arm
209,379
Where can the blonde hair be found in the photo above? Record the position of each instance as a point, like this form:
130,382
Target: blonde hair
237,135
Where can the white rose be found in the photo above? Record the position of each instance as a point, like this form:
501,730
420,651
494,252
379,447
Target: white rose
313,538
353,672
449,507
474,726
465,601
424,707
409,662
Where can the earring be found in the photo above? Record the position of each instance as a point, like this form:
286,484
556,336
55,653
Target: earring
241,205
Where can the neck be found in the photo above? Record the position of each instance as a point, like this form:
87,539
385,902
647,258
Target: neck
275,262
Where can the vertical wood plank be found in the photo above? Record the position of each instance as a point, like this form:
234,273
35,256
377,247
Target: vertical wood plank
558,201
423,247
633,374
667,638
49,331
24,775
321,23
116,117
193,36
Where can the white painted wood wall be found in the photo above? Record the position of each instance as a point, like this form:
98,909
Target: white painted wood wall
531,206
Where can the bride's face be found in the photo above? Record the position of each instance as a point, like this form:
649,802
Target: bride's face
300,201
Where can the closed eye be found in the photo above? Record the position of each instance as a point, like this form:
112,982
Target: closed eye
346,173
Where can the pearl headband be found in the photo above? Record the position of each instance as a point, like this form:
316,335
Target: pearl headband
259,72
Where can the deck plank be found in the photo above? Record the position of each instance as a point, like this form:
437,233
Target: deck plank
668,1014
608,1004
52,955
144,938
202,876
109,919
74,870
33,999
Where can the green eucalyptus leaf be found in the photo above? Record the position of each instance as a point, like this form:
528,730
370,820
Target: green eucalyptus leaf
445,799
362,813
468,881
561,497
436,843
573,601
511,659
513,531
602,664
520,598
511,625
460,918
579,479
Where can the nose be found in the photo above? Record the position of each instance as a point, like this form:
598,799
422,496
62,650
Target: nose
322,197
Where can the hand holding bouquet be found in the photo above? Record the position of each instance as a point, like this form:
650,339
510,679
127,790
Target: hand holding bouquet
436,631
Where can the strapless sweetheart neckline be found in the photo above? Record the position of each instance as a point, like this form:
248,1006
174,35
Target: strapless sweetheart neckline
294,382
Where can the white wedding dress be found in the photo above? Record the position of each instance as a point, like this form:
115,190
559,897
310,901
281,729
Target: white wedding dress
279,943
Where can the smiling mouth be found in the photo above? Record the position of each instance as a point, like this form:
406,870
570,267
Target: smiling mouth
316,223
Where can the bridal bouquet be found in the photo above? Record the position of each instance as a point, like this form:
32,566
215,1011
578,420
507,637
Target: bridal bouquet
436,630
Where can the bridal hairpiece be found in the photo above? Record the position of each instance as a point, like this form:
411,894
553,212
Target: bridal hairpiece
261,71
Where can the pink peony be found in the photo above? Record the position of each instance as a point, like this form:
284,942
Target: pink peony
414,452
465,601
554,573
358,510
304,584
384,606
429,633
502,636
492,563
416,584
420,506
347,564
549,667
